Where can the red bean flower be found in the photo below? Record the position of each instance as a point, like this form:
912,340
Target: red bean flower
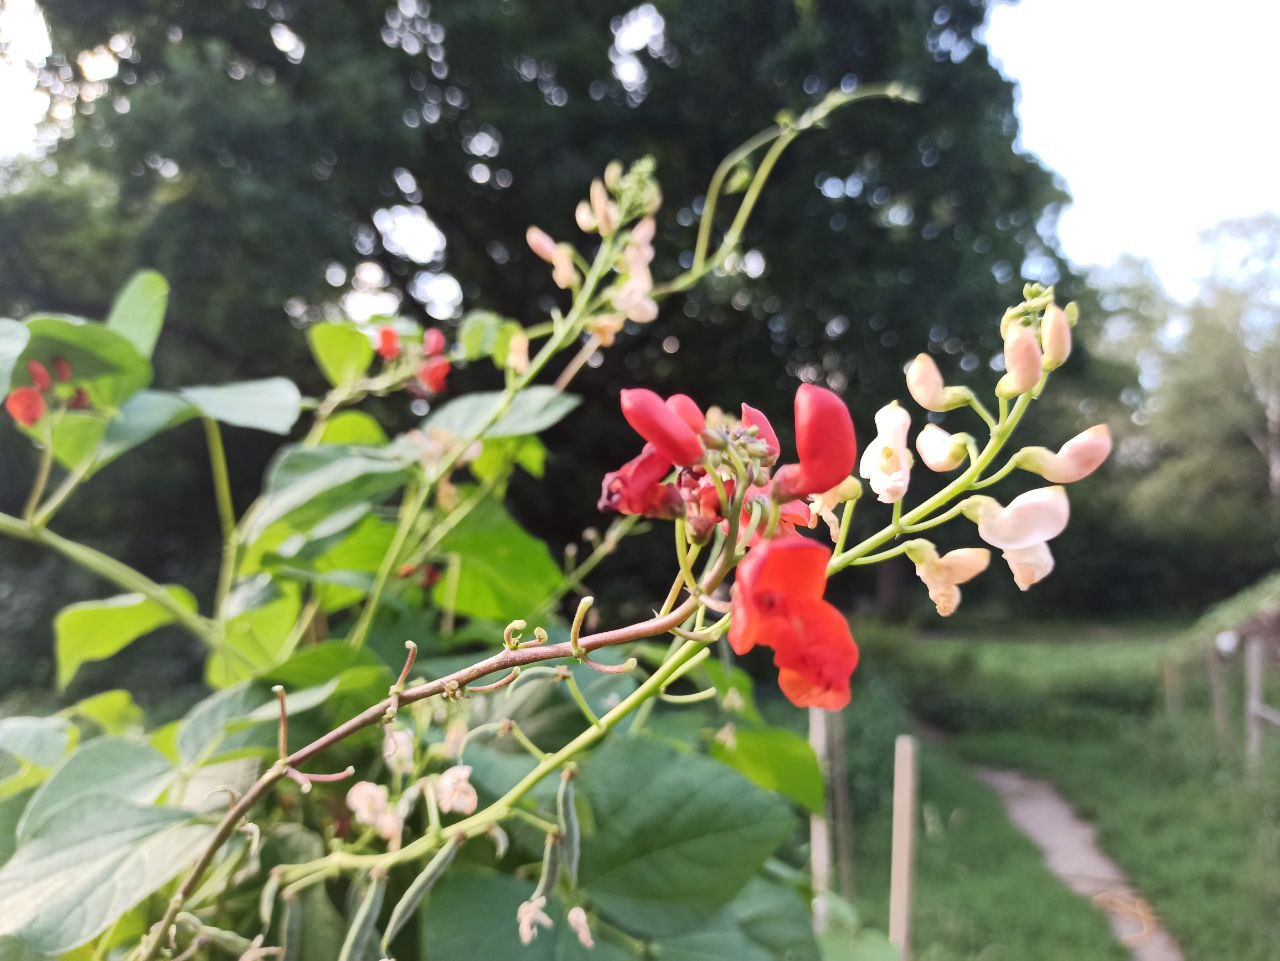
39,375
777,603
825,441
672,426
25,405
388,343
433,372
433,341
637,487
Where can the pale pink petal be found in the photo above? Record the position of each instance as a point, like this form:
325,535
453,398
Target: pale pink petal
1031,518
1021,362
925,384
939,450
1076,459
1030,565
886,463
1055,336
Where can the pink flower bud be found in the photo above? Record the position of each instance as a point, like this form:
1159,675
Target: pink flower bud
1076,459
603,210
1055,337
397,750
25,405
1021,361
39,375
940,450
433,341
541,244
687,410
925,384
886,463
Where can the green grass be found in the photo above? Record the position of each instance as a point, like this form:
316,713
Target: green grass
1088,715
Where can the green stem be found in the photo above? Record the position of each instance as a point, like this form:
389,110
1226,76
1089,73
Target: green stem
41,479
109,569
221,478
61,493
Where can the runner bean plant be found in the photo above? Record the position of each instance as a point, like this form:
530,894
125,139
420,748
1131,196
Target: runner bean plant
423,740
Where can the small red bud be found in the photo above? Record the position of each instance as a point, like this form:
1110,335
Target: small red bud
388,343
25,405
39,375
433,341
79,400
61,369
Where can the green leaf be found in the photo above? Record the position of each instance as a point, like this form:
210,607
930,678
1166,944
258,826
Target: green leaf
39,740
528,453
353,427
273,404
477,333
143,416
777,760
138,313
89,865
532,410
503,571
11,809
866,945
676,836
261,615
13,340
206,733
342,352
113,711
308,484
94,630
104,362
109,766
766,922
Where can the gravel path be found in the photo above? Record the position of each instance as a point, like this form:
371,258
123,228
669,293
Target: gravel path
1071,851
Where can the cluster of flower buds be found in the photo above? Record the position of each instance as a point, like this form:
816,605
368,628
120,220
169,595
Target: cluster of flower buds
432,365
691,467
27,404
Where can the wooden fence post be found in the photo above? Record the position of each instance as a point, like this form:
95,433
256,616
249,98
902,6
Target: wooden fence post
1218,703
906,774
820,825
1252,701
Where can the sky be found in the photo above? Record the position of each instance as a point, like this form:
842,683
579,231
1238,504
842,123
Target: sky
1160,122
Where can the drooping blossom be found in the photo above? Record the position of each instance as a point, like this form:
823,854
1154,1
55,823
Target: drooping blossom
825,442
530,916
434,372
777,603
1055,337
368,803
886,463
637,487
1075,460
559,256
578,923
454,791
927,388
397,750
1023,529
25,405
1022,362
388,343
939,450
943,575
433,341
666,428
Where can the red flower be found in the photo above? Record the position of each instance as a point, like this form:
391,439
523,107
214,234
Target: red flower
825,441
791,514
433,342
388,343
79,400
684,407
636,487
777,603
61,369
669,427
39,375
25,405
433,372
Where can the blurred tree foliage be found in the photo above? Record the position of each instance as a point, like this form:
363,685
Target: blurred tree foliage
256,151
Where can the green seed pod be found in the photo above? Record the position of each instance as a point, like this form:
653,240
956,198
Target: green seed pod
421,886
291,930
550,868
570,832
363,929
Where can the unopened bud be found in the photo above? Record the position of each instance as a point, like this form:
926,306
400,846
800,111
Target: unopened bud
1022,361
1055,337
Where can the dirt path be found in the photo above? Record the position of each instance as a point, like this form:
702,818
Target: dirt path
1071,851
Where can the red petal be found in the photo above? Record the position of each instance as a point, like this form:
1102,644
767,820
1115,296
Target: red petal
61,369
636,487
388,343
754,418
793,566
815,667
433,342
826,443
25,405
684,406
39,375
433,372
661,426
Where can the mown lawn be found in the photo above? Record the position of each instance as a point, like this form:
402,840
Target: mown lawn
1086,712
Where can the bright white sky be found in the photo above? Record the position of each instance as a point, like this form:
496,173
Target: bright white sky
1161,123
